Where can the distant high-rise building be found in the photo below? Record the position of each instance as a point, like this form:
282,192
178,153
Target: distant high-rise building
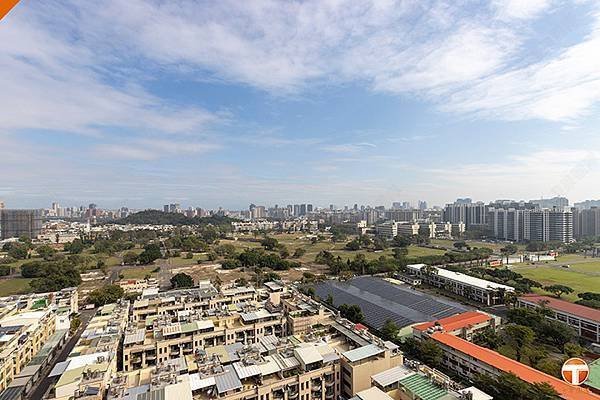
309,208
175,208
258,212
302,209
560,202
331,207
17,223
422,205
166,208
466,200
586,222
466,212
587,204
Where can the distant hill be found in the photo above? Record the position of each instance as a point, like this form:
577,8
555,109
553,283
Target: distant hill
156,217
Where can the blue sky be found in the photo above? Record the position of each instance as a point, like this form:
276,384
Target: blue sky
210,104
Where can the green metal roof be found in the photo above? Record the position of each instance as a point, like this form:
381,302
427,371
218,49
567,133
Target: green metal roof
593,379
40,303
422,388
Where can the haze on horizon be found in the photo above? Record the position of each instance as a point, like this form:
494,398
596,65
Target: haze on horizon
142,103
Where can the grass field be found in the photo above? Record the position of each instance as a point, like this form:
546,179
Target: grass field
138,272
583,274
182,261
9,287
473,243
295,241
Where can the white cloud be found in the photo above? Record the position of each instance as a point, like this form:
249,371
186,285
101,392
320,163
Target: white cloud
151,149
51,82
348,148
520,9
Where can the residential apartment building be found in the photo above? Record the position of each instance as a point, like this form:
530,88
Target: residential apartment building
16,223
481,290
586,222
408,215
315,363
92,363
22,335
471,214
585,320
179,323
527,224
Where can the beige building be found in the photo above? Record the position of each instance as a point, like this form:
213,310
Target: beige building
92,363
22,335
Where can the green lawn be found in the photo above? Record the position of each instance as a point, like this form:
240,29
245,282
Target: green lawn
9,287
473,243
182,261
138,272
584,277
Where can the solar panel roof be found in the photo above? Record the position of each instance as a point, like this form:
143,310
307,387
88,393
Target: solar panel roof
381,300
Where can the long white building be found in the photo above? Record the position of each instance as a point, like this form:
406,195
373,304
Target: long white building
481,290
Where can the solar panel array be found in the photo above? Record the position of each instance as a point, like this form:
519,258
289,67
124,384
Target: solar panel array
381,300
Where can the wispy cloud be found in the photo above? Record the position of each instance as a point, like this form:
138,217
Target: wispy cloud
348,148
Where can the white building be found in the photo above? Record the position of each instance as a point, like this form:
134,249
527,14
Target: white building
477,289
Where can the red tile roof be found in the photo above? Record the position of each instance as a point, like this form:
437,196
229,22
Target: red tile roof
564,306
457,321
506,364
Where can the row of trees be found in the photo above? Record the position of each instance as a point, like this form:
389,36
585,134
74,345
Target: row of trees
259,258
589,299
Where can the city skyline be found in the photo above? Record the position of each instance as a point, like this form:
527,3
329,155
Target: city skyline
143,103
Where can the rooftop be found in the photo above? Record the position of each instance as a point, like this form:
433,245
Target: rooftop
564,306
464,278
508,365
455,322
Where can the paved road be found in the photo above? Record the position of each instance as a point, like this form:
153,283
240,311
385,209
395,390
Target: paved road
45,382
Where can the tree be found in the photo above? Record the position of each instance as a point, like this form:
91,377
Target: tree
32,269
46,252
269,243
520,337
329,299
390,330
487,337
542,391
299,252
130,258
508,250
74,324
353,245
105,295
75,247
189,255
351,312
573,350
556,332
430,353
18,251
461,244
558,290
182,280
56,275
231,264
150,254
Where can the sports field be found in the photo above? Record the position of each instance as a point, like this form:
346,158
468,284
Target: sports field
583,274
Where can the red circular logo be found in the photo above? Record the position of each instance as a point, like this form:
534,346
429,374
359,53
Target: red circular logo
575,371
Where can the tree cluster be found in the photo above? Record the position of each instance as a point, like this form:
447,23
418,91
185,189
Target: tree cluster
105,295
